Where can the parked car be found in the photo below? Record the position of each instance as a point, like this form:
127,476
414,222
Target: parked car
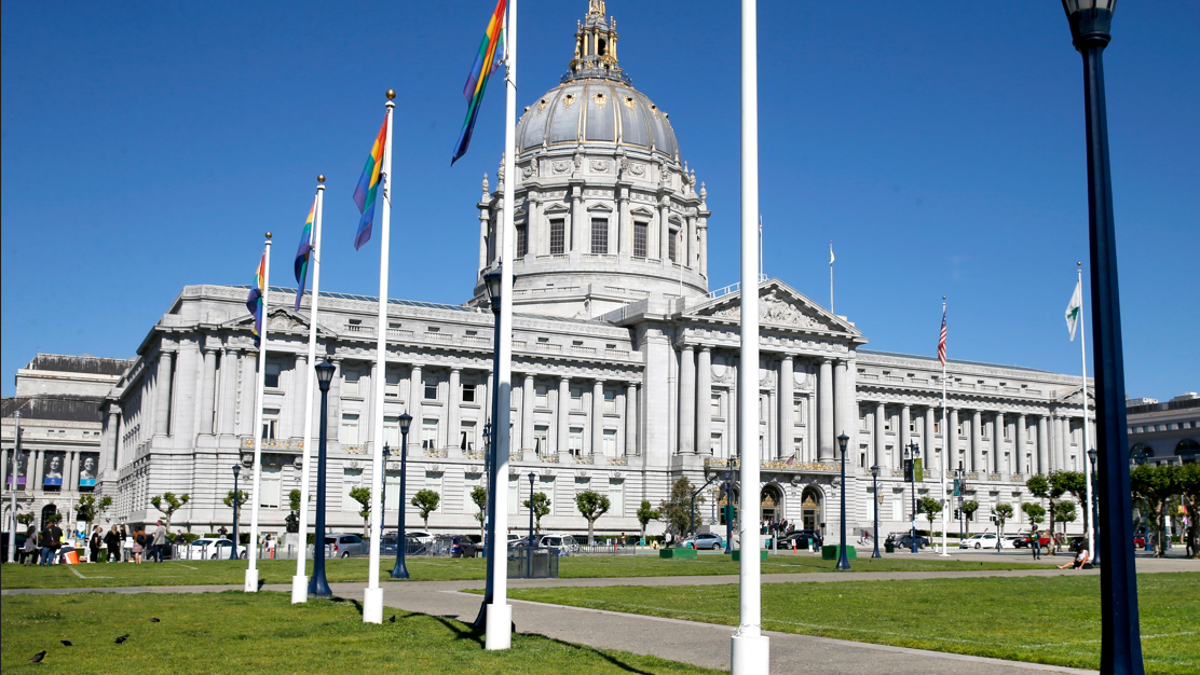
425,538
708,540
387,545
564,542
803,539
904,542
345,545
1024,542
986,540
210,549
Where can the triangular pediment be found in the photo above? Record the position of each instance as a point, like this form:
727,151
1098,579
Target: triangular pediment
281,320
600,206
642,211
556,207
779,306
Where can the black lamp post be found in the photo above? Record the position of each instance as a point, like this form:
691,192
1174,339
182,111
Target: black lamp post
400,570
532,475
729,511
318,586
1120,635
875,498
960,486
237,506
843,562
492,542
911,454
1095,507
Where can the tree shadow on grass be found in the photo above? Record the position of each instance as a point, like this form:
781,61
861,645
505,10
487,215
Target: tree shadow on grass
606,656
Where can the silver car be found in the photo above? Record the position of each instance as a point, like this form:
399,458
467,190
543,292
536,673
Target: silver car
345,545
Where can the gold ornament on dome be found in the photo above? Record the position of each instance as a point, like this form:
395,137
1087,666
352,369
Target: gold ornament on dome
630,103
568,101
601,100
542,105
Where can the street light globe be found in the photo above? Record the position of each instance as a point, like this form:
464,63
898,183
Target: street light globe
875,472
405,422
842,441
237,469
1076,6
492,280
325,371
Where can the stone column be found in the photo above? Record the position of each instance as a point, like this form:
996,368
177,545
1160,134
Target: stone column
977,443
625,223
35,473
951,441
841,404
1063,451
112,438
664,231
484,221
704,250
905,434
185,391
249,370
704,402
687,400
453,405
415,396
597,421
526,430
998,443
881,458
577,243
70,472
535,226
227,399
631,420
654,415
208,391
1043,446
162,393
825,407
299,396
787,425
335,404
564,413
1022,440
929,440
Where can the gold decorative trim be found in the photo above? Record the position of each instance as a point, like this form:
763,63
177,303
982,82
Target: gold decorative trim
568,101
601,100
630,102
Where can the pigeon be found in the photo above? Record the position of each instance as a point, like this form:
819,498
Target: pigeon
122,638
66,643
154,620
393,619
37,658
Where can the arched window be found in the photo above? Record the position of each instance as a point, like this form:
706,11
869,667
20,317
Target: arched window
1188,447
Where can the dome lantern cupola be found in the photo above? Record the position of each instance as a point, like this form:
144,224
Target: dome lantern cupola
596,47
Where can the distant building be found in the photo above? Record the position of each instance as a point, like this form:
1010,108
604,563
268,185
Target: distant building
1164,432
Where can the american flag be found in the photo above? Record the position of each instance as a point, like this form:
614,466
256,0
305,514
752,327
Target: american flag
942,340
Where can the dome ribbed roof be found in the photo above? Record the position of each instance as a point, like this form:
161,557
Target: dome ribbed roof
596,112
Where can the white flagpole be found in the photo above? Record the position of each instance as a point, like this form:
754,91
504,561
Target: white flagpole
498,625
373,595
1087,434
831,277
761,271
300,580
945,454
750,649
251,582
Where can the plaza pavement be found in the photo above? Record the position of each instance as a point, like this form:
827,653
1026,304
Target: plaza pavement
697,643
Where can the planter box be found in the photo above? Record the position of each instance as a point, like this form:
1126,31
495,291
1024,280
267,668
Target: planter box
682,553
831,553
737,555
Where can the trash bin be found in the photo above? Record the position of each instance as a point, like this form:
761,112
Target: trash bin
889,546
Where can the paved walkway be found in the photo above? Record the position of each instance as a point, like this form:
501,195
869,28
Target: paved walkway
701,644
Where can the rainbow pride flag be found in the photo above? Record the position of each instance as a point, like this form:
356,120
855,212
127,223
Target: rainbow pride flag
368,186
491,52
254,302
303,254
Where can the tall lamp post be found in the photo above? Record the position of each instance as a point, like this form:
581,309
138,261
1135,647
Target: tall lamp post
875,510
318,586
16,463
911,454
493,282
1120,635
843,562
959,488
400,570
237,506
729,511
1095,507
532,476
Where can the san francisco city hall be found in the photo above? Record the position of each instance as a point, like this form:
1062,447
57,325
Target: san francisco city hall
625,365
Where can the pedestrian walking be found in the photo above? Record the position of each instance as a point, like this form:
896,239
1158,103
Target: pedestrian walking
126,545
29,553
1035,543
51,541
94,543
112,540
139,546
160,540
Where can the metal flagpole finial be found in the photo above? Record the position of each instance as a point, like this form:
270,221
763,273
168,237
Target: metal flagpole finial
391,94
321,178
268,235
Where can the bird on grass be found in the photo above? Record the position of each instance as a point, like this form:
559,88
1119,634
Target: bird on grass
393,619
66,643
37,658
122,638
154,620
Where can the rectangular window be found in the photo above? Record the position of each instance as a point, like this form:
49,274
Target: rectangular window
391,493
576,399
270,483
616,497
887,422
546,486
862,422
468,393
715,446
522,240
351,478
541,439
272,375
433,481
715,406
429,434
469,436
912,427
599,235
937,427
350,382
610,442
431,388
673,245
349,433
541,396
582,485
897,508
557,236
391,385
270,423
1007,434
610,402
798,411
639,239
391,432
575,441
514,495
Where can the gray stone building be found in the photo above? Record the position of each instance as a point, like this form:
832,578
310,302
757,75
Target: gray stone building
626,367
1164,432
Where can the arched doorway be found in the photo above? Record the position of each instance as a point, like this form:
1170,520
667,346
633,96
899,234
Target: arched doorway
47,511
772,502
1140,453
1187,449
811,506
727,505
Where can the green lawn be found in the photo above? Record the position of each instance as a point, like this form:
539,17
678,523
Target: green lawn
225,572
242,633
1053,620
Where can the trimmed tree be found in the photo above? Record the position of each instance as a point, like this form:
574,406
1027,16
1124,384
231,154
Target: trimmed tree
362,495
1064,512
540,504
1075,484
677,510
479,496
1050,488
931,508
1187,479
1156,484
168,503
645,514
242,498
1035,512
426,502
25,518
969,508
591,505
89,508
1003,513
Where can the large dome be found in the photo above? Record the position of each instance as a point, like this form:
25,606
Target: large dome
600,112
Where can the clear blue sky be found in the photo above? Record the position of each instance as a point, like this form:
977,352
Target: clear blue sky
939,145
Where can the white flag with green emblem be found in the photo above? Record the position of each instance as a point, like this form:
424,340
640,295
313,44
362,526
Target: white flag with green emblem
1073,309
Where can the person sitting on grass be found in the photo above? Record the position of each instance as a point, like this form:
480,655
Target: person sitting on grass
1083,560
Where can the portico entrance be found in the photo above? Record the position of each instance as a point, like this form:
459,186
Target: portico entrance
772,503
811,507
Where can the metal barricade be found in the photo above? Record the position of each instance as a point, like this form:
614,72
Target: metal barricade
532,562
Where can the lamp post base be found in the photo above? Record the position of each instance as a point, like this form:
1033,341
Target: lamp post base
498,627
400,570
751,655
373,605
251,585
299,589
